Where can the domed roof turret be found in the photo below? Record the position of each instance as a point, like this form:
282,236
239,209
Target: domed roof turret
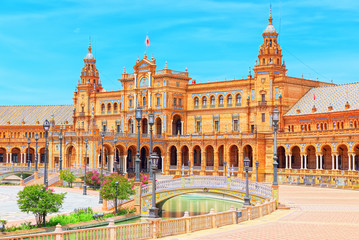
270,28
89,55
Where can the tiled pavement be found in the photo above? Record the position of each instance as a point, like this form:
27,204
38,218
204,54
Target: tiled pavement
316,213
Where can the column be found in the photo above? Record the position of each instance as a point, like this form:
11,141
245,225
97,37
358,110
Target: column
203,162
162,164
98,161
353,166
124,163
316,162
321,161
179,162
167,162
305,161
216,162
191,159
336,161
21,157
349,160
301,162
182,127
7,157
290,161
332,161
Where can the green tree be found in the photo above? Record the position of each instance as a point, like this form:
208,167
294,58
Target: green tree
40,201
68,176
124,189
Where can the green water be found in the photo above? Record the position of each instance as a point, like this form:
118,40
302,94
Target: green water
195,204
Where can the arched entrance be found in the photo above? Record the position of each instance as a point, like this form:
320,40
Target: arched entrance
311,157
158,124
281,157
343,157
197,157
70,157
185,155
42,156
248,152
15,155
144,160
158,151
131,155
176,125
209,157
221,156
120,151
3,157
296,162
30,156
233,156
327,157
173,157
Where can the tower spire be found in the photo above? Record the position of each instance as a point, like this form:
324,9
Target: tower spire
270,20
90,44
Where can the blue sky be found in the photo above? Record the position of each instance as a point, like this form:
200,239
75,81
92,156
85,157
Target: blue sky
43,43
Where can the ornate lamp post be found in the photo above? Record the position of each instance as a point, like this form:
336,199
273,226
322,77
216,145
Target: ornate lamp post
36,139
151,121
257,165
154,163
275,158
138,161
116,186
60,160
246,198
46,126
28,152
85,161
114,154
102,136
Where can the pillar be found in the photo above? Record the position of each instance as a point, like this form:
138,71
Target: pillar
167,162
286,161
316,162
124,163
321,161
332,161
162,158
336,161
203,162
191,158
290,161
353,167
349,160
216,162
179,162
301,162
305,161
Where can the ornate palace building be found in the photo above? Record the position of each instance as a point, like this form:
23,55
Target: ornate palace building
210,125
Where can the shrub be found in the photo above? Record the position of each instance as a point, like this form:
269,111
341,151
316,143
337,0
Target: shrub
144,178
93,179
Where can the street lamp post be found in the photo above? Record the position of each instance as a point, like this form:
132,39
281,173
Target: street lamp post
275,158
257,164
154,162
116,186
246,198
36,139
46,127
138,161
60,160
102,136
85,161
151,121
28,152
114,154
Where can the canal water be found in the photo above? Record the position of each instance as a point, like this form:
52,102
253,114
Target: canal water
194,203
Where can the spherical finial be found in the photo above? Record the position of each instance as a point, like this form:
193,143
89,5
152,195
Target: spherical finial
166,65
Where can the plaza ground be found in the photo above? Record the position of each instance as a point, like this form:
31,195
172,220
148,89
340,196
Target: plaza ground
316,213
74,199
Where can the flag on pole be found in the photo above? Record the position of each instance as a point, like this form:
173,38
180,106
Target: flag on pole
147,41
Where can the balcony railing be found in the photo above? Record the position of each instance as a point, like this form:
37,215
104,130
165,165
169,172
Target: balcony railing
262,103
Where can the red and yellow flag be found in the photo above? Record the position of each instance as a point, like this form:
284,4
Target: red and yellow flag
147,41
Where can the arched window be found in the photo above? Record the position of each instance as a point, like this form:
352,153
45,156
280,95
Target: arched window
144,101
204,101
103,108
264,61
115,107
238,100
196,102
213,101
221,100
229,100
109,108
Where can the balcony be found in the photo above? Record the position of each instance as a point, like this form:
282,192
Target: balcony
81,114
262,103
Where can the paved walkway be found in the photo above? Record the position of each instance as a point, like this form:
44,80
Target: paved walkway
316,213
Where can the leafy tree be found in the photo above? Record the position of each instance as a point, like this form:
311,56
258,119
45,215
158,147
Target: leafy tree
124,189
40,201
68,176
